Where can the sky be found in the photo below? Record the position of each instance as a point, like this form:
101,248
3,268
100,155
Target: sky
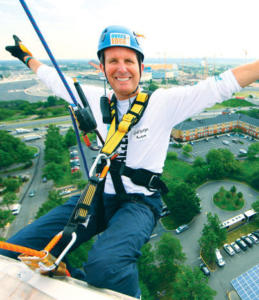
172,28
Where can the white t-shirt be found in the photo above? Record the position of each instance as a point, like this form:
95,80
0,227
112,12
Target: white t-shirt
148,140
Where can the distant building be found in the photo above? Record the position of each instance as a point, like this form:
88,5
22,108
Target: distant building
162,71
192,130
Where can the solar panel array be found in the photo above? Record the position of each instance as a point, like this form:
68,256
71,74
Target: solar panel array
247,284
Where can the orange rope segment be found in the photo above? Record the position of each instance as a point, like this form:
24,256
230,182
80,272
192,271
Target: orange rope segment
22,249
53,242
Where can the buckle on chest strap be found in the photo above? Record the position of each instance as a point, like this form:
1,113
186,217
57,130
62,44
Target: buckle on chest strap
126,122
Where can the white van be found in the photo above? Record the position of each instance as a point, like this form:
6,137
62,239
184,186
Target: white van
242,151
16,209
219,259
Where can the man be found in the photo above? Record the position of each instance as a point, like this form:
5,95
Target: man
128,220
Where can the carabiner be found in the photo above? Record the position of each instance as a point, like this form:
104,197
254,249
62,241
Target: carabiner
45,268
107,166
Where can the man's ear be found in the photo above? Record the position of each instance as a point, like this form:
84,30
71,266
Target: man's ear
142,67
102,67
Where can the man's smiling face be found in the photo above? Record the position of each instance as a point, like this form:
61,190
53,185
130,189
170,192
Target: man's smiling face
122,71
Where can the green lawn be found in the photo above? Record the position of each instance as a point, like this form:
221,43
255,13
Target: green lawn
176,170
247,93
248,167
243,230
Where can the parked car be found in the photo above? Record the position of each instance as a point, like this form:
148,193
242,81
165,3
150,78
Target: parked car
75,169
165,213
74,157
253,238
181,228
256,233
235,247
241,244
44,179
219,259
204,269
229,249
74,163
16,209
32,193
65,192
247,241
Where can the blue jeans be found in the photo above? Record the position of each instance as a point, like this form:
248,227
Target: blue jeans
112,261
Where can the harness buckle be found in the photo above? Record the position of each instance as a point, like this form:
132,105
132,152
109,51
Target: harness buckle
126,122
150,185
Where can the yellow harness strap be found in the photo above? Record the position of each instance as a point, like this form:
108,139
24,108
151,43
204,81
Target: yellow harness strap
114,136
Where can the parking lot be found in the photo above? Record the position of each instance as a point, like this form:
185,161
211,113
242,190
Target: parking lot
203,146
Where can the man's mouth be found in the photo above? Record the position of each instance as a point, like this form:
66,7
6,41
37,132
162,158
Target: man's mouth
122,78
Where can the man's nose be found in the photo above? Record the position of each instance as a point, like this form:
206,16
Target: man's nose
122,67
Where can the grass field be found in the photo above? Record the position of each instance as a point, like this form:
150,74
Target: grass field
176,170
243,230
248,167
247,93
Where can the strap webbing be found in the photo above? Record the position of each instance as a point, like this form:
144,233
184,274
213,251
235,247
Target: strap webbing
131,118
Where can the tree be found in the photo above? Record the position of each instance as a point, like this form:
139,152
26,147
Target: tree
239,195
8,199
53,155
6,159
215,225
198,175
81,183
13,150
5,217
51,101
54,139
199,162
70,138
153,86
184,203
253,151
221,163
233,190
54,199
168,255
148,271
187,149
255,179
208,244
191,284
213,236
12,184
54,171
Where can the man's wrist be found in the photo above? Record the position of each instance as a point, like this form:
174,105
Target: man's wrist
27,59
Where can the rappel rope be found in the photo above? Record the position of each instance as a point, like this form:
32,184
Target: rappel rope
45,45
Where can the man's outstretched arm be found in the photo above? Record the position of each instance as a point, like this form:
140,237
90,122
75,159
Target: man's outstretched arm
21,52
247,74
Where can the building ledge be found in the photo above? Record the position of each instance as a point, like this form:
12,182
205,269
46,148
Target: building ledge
20,282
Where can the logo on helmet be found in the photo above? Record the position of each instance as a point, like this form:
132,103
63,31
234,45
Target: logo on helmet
120,39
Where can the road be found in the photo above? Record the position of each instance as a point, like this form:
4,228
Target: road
30,205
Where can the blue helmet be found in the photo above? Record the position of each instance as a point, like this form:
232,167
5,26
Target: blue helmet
118,36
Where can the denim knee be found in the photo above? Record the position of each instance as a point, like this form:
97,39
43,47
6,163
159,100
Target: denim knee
104,270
